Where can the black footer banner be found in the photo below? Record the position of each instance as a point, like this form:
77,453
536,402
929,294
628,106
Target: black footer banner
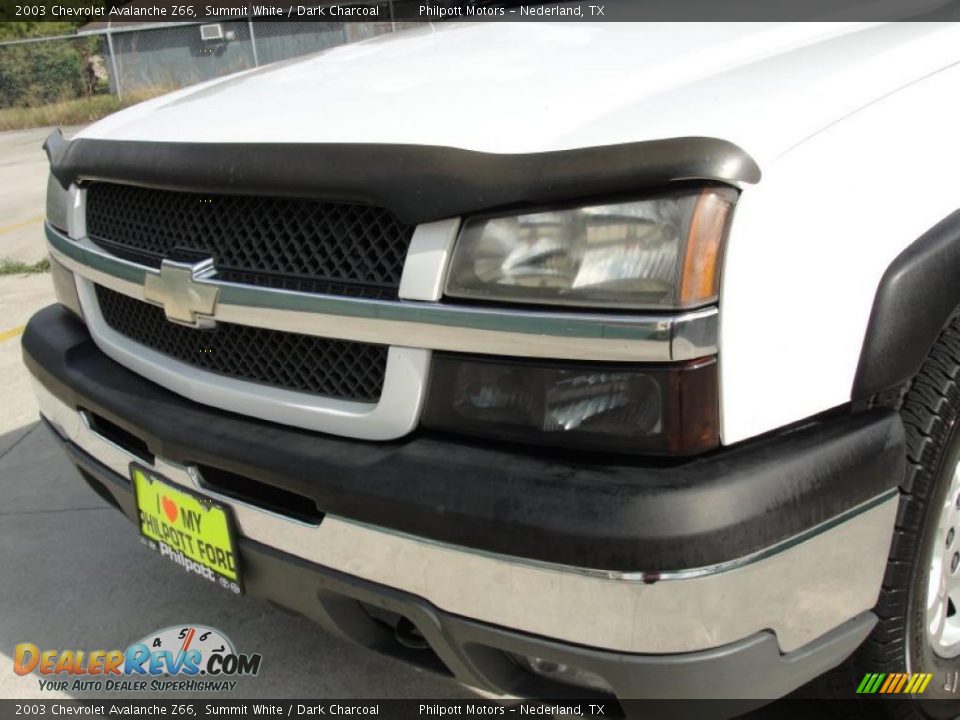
403,709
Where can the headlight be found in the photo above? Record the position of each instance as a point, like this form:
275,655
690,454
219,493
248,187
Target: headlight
58,203
658,253
658,410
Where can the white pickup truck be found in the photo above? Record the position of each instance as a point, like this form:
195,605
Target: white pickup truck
599,360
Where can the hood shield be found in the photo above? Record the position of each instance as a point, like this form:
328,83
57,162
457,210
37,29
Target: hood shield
419,183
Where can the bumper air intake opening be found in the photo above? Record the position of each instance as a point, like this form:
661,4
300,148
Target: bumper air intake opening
120,437
253,492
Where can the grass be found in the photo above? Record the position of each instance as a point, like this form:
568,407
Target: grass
15,267
72,112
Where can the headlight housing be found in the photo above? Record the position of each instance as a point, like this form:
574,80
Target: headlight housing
58,203
656,253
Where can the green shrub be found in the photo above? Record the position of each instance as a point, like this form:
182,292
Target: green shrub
16,267
44,72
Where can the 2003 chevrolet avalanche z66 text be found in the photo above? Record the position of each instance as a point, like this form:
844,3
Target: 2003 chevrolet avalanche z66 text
601,360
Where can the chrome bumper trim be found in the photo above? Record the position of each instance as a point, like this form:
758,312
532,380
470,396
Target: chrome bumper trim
426,325
801,592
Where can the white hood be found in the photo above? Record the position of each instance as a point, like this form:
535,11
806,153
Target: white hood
519,87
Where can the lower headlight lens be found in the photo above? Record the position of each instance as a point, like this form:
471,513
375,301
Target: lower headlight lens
652,410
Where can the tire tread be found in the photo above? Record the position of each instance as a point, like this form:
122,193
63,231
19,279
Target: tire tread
928,408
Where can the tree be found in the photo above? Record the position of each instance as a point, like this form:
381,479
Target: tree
37,73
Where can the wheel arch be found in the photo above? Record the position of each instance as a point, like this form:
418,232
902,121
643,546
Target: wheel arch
917,295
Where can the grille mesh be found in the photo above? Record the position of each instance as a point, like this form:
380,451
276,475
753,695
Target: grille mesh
332,368
293,244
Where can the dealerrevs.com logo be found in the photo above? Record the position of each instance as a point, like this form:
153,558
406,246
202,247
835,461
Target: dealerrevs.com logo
191,658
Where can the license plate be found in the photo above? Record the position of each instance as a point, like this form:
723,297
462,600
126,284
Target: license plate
187,528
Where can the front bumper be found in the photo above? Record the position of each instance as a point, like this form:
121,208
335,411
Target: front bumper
744,574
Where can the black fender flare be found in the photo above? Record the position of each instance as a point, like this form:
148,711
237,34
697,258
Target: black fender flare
916,297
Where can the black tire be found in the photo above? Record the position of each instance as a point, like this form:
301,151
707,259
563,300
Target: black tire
930,409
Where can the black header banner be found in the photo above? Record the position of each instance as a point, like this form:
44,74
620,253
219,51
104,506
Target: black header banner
399,11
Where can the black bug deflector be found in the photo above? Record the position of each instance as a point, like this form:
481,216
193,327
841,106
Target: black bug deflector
419,183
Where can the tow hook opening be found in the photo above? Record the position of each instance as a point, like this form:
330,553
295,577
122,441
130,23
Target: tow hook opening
409,636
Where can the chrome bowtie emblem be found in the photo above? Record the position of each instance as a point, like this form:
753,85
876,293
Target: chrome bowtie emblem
185,301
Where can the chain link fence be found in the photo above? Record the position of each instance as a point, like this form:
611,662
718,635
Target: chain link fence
99,69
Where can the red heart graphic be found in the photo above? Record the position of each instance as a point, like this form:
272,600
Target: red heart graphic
170,509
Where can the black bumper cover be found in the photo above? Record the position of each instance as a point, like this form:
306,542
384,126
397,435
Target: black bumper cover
580,510
744,674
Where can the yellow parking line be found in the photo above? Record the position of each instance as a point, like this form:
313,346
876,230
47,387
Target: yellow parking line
23,224
11,333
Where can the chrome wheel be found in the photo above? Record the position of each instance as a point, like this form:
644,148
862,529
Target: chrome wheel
943,587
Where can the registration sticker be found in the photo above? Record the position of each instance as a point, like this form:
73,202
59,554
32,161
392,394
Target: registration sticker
187,528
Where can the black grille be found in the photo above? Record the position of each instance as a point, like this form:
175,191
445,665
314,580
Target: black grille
332,368
286,243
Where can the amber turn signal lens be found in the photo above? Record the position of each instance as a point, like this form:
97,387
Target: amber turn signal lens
703,255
